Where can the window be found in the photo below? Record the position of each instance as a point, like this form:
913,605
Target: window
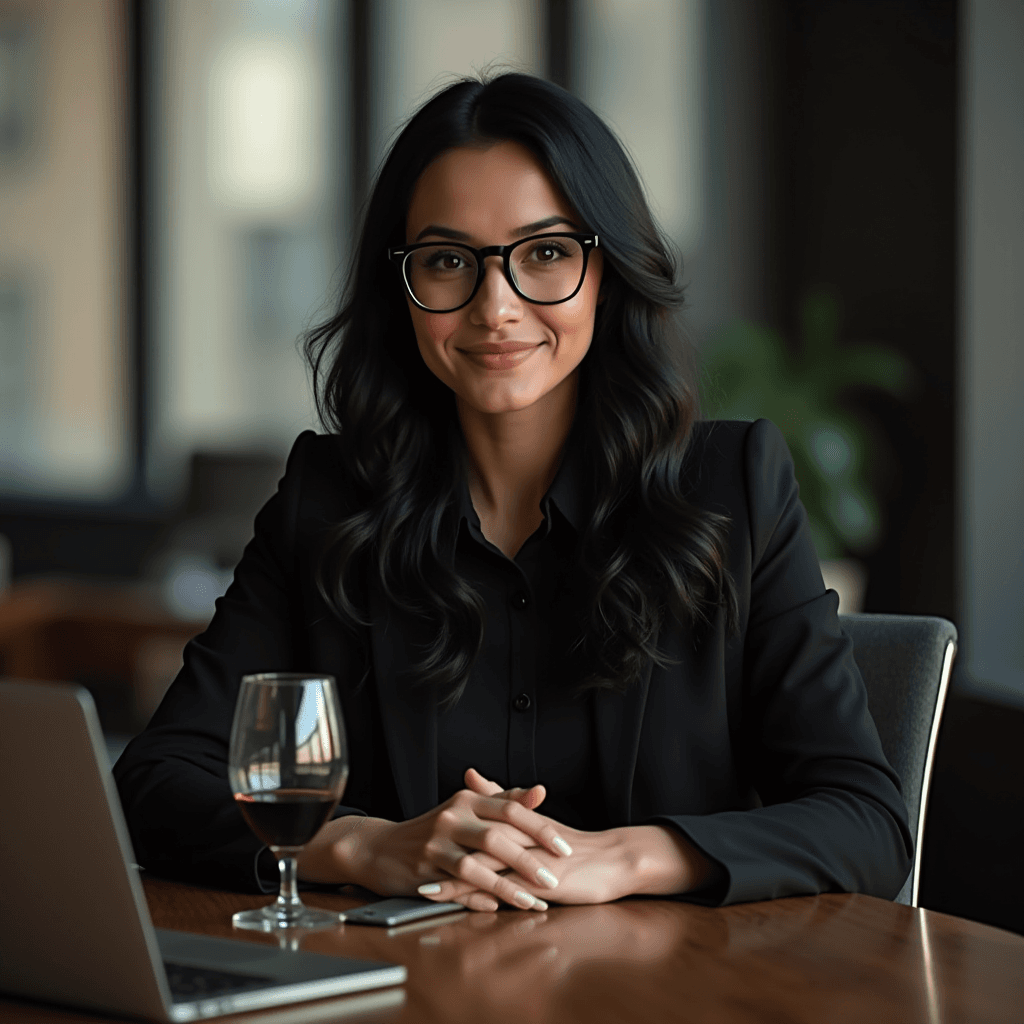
249,213
63,350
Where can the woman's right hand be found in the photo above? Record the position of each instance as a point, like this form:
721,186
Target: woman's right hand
397,858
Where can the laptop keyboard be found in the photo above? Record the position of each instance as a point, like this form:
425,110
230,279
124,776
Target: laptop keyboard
189,983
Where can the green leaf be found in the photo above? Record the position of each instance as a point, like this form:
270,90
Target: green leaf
749,372
819,324
874,365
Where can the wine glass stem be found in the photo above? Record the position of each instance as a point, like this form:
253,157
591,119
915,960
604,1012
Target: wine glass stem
288,902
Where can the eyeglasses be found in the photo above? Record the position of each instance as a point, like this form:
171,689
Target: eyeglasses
442,277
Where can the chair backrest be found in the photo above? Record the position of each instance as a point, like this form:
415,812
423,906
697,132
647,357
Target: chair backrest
906,661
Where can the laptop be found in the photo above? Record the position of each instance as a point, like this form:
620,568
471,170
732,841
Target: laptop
75,927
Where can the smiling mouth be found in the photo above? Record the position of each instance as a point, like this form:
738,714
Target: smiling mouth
502,355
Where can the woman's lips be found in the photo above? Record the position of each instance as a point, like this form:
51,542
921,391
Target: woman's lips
502,356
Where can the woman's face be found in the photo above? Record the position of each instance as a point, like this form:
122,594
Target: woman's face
499,353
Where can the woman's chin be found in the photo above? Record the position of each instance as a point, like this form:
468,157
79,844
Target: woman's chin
499,401
518,393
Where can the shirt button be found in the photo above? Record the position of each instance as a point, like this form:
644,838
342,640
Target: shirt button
522,702
519,600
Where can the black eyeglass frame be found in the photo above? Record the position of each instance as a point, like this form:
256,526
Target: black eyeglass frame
400,256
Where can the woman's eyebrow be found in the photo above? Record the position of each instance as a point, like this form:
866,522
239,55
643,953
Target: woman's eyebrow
543,225
528,229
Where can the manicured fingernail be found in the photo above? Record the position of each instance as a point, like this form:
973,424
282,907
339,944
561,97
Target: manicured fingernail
430,889
525,900
546,878
539,905
561,846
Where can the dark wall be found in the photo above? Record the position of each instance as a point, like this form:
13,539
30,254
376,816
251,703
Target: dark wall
866,165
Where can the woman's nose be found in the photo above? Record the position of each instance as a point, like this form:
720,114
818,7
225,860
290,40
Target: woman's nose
496,302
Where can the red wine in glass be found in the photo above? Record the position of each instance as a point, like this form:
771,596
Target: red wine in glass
287,817
288,765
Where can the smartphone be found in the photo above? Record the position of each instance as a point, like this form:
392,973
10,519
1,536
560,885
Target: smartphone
400,910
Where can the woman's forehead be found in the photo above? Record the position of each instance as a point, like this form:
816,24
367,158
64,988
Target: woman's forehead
471,190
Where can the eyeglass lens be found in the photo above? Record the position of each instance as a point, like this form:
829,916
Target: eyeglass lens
543,269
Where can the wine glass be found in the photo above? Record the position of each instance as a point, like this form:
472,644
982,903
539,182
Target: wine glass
288,765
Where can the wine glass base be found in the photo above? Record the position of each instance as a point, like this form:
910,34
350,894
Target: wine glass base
272,918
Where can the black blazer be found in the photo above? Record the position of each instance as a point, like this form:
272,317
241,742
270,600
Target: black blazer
757,745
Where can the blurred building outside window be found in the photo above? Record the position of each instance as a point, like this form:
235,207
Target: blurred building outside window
63,393
250,201
250,217
418,46
641,65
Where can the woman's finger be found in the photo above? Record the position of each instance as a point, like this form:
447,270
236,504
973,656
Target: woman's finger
476,782
497,866
539,828
448,891
456,891
454,860
465,807
496,844
475,900
531,798
512,833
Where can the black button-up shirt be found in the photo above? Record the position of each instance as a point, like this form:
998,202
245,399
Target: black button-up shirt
520,720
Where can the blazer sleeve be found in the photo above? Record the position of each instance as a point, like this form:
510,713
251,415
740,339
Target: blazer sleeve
833,818
172,778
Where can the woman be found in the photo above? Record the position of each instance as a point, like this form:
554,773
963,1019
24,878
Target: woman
582,641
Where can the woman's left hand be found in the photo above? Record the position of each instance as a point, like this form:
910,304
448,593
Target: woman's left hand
604,866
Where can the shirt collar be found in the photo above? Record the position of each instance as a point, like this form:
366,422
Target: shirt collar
566,489
564,492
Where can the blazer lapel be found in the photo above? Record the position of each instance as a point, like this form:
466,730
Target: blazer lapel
618,718
408,712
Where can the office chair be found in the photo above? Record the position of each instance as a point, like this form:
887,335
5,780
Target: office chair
906,661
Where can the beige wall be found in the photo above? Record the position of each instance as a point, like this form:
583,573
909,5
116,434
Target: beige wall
62,216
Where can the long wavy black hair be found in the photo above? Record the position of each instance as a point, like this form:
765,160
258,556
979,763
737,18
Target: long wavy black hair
647,552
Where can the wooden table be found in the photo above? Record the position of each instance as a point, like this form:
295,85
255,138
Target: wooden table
823,958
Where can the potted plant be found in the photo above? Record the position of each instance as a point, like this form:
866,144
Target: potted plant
749,371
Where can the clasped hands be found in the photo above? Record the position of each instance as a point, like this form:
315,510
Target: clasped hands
528,858
485,845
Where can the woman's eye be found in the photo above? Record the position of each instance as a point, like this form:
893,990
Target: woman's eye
548,252
446,261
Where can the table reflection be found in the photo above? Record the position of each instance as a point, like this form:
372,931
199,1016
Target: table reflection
516,966
802,959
